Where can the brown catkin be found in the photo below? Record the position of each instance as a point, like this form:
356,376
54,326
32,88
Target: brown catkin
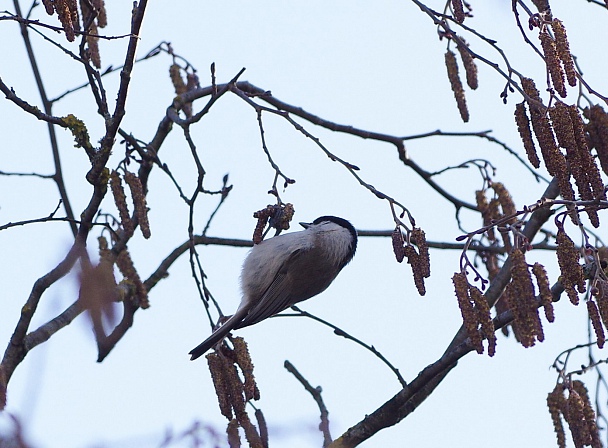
415,261
568,260
216,367
589,414
553,63
176,79
458,9
49,7
563,50
546,297
128,271
398,245
418,237
139,202
65,17
234,386
484,318
456,85
286,215
106,266
562,125
279,215
232,431
92,39
251,434
73,6
555,403
521,331
523,127
602,299
597,133
594,187
102,17
469,315
489,212
120,199
564,130
508,210
586,159
470,68
542,5
243,359
93,44
258,232
576,419
596,322
506,201
524,300
555,162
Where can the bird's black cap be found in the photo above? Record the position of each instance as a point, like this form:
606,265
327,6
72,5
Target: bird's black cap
347,225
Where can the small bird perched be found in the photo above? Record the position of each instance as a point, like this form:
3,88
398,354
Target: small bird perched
287,269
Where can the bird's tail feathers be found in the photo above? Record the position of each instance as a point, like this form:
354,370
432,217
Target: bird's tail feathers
218,334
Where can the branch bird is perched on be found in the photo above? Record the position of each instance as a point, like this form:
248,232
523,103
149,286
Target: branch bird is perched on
287,269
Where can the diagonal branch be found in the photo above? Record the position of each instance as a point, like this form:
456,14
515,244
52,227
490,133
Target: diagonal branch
113,123
347,129
409,398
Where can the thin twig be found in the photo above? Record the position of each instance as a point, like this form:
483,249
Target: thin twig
47,116
58,29
339,332
315,392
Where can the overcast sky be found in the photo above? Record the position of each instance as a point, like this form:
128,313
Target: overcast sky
374,66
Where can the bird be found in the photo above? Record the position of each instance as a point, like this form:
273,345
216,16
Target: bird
286,269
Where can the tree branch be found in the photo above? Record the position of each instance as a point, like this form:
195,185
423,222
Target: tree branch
315,392
410,397
47,116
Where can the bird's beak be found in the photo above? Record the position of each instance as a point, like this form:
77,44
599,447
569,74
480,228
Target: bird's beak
306,225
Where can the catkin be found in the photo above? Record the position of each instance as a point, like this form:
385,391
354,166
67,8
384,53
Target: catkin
456,85
563,50
469,315
568,260
523,127
470,68
596,322
597,133
553,63
546,297
458,9
556,402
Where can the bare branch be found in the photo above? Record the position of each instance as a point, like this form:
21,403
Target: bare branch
316,395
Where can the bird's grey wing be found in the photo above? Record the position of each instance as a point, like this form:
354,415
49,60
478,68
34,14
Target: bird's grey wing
275,299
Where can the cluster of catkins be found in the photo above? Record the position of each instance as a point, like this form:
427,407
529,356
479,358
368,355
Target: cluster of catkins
92,19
